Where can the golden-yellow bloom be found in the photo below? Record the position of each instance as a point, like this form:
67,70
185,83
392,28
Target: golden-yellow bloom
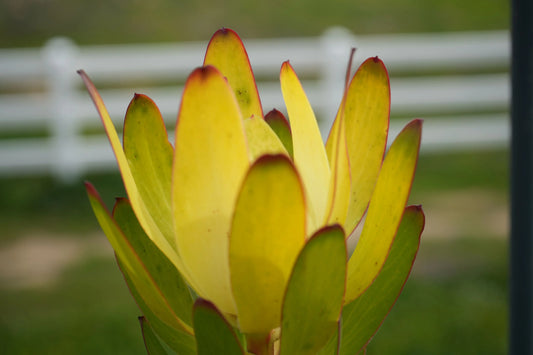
252,211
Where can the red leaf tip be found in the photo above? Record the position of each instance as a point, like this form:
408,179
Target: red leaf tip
203,73
415,124
203,303
90,188
272,159
286,65
224,31
274,114
417,208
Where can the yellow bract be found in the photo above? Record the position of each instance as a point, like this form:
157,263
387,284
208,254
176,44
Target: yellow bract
261,138
210,162
367,122
226,52
150,156
385,211
340,181
267,234
309,152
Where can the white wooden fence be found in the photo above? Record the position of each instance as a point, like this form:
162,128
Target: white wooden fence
458,80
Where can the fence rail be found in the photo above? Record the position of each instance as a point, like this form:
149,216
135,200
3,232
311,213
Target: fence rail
459,81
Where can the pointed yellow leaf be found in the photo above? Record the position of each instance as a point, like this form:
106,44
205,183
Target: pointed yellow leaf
385,211
139,206
309,152
261,138
340,182
210,162
150,155
267,234
226,52
366,115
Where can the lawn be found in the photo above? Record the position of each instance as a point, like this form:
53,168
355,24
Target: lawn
31,23
455,301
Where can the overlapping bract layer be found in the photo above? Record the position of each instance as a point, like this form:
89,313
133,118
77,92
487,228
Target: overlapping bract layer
253,212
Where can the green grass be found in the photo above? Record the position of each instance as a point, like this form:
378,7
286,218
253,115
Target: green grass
31,23
462,316
88,312
462,170
455,303
45,204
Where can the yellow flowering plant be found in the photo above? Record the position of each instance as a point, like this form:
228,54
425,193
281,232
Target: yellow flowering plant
234,240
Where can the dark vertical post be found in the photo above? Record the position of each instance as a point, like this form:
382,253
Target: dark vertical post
521,289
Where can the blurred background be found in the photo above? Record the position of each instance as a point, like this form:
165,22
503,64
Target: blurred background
60,289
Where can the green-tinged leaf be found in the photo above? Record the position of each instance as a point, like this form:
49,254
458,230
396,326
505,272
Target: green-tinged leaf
309,151
164,274
366,117
333,345
314,297
150,156
362,318
151,342
134,265
179,341
340,182
226,52
146,219
385,211
211,159
268,232
261,138
280,125
214,335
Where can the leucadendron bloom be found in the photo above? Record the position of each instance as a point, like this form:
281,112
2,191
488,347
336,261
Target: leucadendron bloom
233,240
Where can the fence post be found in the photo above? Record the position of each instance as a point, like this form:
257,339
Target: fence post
337,43
59,55
521,255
